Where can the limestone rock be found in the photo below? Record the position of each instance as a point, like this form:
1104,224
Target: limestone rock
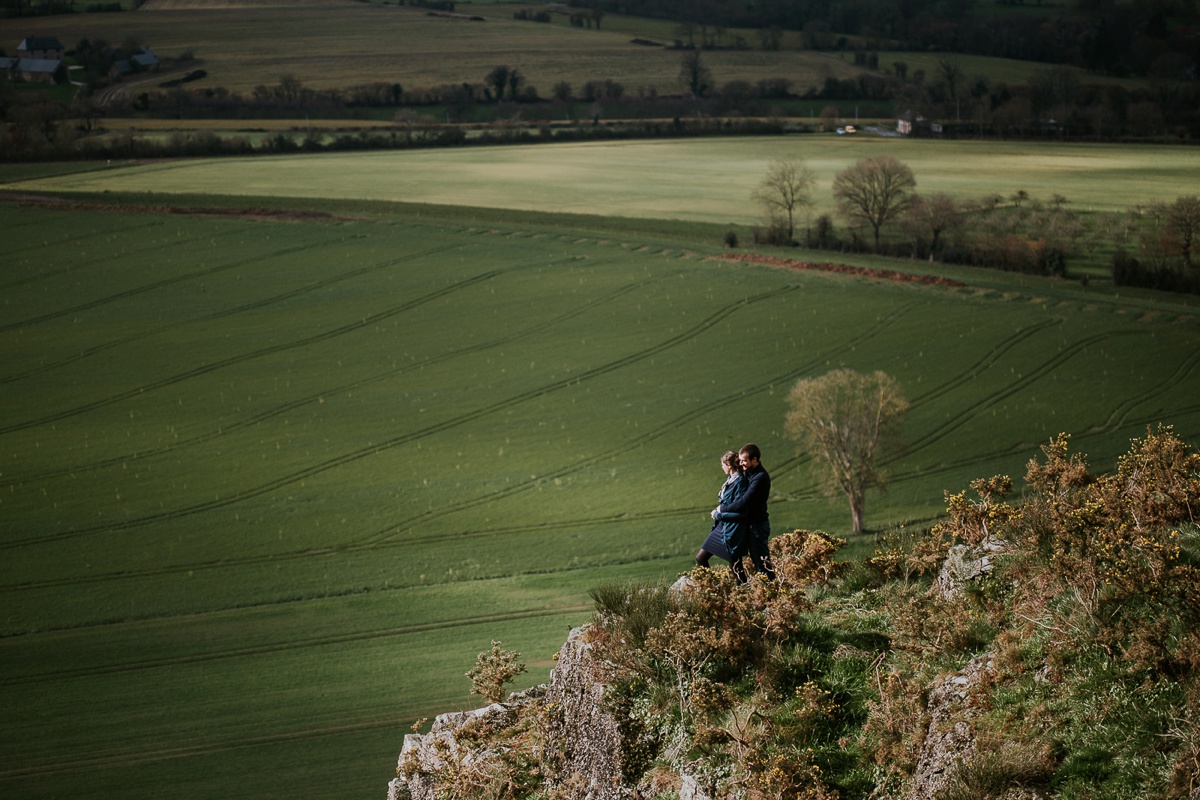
585,753
950,739
590,742
964,564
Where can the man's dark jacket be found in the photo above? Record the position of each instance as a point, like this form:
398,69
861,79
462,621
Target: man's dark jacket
753,502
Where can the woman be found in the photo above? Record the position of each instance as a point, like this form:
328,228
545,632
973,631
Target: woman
727,539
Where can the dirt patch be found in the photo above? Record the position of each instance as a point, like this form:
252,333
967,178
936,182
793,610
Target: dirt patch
844,269
272,214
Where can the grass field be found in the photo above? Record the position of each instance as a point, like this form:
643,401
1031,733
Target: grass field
707,180
267,485
340,43
343,43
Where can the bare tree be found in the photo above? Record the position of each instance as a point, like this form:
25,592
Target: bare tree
1182,228
952,74
874,191
929,217
845,420
694,75
515,81
786,189
291,89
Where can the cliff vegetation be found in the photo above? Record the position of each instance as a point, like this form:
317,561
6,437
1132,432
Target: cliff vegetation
1036,646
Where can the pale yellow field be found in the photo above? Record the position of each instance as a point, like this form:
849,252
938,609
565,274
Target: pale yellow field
703,180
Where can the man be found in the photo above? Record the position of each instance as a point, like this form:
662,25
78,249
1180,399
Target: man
753,504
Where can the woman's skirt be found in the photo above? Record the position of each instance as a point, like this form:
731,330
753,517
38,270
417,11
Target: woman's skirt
715,544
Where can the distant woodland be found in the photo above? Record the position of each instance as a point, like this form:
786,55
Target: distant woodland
1153,38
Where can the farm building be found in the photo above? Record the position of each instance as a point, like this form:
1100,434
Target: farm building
39,60
143,61
35,70
41,47
913,124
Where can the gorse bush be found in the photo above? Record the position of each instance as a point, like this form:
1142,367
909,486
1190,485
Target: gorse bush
1089,612
1046,645
729,667
493,670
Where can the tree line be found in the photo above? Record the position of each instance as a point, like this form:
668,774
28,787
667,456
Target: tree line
1155,246
1151,38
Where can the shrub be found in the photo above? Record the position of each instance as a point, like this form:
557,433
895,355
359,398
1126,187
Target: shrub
493,670
1083,635
774,233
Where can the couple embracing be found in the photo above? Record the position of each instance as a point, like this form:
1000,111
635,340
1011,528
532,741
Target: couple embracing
741,526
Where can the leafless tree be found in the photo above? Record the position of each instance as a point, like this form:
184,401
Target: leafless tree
694,75
1182,228
874,191
786,189
952,74
930,217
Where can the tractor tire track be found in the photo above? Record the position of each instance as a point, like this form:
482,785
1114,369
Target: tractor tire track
76,266
1019,385
159,284
218,315
960,464
396,441
987,361
282,347
664,429
275,558
294,645
1183,372
135,758
249,422
385,538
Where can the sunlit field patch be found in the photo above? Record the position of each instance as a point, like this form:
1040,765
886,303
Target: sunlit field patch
702,180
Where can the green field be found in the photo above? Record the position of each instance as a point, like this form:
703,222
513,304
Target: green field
268,484
707,180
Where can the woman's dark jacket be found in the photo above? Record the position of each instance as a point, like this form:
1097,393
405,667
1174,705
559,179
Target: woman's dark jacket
732,526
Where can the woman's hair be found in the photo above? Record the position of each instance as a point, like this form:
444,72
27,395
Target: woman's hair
730,459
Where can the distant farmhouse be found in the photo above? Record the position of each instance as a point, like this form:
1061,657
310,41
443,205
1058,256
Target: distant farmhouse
39,60
143,61
910,124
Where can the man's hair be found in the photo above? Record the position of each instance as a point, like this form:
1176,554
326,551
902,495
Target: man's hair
752,451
